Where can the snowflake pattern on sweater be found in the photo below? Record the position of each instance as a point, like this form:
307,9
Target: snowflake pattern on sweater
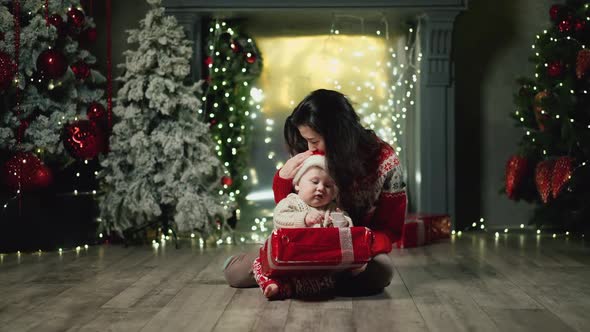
388,181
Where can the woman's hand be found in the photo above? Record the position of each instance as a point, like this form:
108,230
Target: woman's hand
294,163
313,217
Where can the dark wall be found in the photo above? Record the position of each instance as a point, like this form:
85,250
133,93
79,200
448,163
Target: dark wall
492,43
125,15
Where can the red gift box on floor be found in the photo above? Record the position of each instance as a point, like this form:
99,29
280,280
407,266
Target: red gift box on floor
296,251
421,229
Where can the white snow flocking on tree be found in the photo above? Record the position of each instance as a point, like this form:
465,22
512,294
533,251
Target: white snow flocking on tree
161,166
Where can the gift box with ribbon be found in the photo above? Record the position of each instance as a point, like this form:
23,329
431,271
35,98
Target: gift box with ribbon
422,229
296,251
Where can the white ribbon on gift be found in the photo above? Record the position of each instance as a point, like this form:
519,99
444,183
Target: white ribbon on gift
346,245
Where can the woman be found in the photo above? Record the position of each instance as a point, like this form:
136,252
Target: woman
366,170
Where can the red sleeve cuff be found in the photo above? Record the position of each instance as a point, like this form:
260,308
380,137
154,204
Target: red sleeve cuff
281,187
381,243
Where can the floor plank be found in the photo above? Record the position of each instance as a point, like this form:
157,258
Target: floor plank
473,282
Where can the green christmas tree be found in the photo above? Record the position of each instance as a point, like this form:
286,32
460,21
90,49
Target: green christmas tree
232,64
551,168
161,168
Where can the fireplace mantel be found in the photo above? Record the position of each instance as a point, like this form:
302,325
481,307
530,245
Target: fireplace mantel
431,153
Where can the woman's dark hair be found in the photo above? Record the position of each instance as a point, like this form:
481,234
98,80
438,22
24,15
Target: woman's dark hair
352,151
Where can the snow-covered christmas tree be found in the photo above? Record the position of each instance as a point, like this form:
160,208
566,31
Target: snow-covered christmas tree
52,100
161,167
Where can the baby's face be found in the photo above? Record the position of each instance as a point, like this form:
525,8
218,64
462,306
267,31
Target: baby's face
316,188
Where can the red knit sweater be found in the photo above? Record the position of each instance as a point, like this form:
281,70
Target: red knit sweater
384,194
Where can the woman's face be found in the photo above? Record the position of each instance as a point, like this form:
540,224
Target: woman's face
315,141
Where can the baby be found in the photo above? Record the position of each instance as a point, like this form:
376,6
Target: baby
312,206
314,203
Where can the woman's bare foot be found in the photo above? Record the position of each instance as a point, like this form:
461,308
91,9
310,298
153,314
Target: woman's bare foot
271,290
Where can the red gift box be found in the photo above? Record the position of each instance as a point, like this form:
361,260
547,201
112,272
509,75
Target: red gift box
296,251
421,229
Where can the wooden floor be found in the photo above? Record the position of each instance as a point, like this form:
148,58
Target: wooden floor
470,283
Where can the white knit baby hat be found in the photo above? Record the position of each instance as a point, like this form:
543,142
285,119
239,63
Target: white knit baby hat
316,160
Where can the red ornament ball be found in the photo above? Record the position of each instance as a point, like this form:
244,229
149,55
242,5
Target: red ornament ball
564,26
25,171
226,180
208,61
6,71
555,12
555,69
75,17
52,63
251,59
83,139
56,20
58,23
81,70
96,112
42,177
235,47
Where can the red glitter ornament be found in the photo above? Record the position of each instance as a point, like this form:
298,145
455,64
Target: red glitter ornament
208,61
251,59
56,20
96,112
42,177
75,17
81,70
52,63
564,26
235,47
543,173
226,180
6,71
83,139
27,170
555,69
516,169
562,172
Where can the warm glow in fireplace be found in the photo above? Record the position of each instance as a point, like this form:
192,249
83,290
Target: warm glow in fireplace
293,66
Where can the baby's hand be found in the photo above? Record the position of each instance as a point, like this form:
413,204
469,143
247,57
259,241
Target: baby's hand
313,218
337,219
